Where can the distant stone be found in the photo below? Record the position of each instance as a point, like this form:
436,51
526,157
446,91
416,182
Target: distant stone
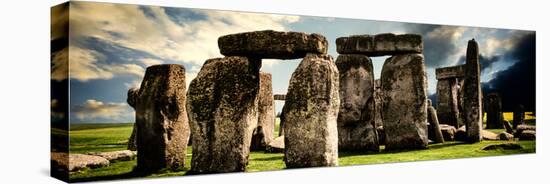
279,97
449,72
356,126
312,102
473,115
161,119
519,116
448,101
276,146
223,110
448,132
527,135
272,44
404,90
131,100
434,132
523,127
113,156
81,161
263,133
505,136
503,146
132,141
488,135
493,108
380,45
378,104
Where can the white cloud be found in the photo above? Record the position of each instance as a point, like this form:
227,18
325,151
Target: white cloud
60,67
92,109
150,61
85,66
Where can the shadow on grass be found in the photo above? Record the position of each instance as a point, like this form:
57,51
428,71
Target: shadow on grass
343,154
129,175
274,158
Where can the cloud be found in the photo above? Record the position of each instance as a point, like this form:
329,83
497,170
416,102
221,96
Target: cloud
85,65
150,61
60,65
92,109
440,43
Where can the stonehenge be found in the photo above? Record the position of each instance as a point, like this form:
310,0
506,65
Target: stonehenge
493,108
263,133
434,130
380,44
473,115
161,119
448,94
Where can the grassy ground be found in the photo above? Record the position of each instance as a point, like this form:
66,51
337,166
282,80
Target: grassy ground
108,138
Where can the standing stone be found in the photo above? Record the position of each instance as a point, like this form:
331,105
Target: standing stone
447,101
356,126
404,87
222,105
282,120
377,104
493,108
263,134
161,119
519,116
434,129
472,94
312,102
131,100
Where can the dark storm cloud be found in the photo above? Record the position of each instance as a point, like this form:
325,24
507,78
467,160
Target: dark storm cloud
516,85
485,62
439,46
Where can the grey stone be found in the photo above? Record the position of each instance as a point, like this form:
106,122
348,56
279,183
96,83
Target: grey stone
223,111
356,127
448,132
434,133
524,127
460,134
59,161
131,100
161,119
404,89
381,135
311,136
380,45
449,72
378,104
263,133
81,161
505,136
527,135
277,145
447,101
493,108
272,44
519,116
488,135
472,94
279,97
113,156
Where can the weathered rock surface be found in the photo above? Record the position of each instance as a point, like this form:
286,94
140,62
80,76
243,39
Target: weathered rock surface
132,141
378,104
265,129
505,136
223,112
380,45
472,94
448,132
493,108
527,135
447,101
434,132
131,100
449,72
488,135
272,44
312,102
60,162
276,146
81,161
356,126
503,146
381,135
161,119
404,89
113,156
519,116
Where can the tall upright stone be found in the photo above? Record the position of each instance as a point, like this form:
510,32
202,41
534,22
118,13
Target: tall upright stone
356,126
493,108
312,103
472,94
131,100
434,130
519,116
161,119
447,101
404,88
377,104
223,112
263,133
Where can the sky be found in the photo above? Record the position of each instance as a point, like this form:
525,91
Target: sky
111,45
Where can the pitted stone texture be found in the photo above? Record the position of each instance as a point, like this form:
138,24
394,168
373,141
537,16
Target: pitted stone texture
223,111
311,136
380,45
493,108
434,132
272,44
449,72
448,102
113,156
161,119
472,94
265,129
81,161
519,116
377,104
404,88
356,130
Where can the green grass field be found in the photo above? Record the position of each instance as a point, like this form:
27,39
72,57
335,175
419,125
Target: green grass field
91,138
